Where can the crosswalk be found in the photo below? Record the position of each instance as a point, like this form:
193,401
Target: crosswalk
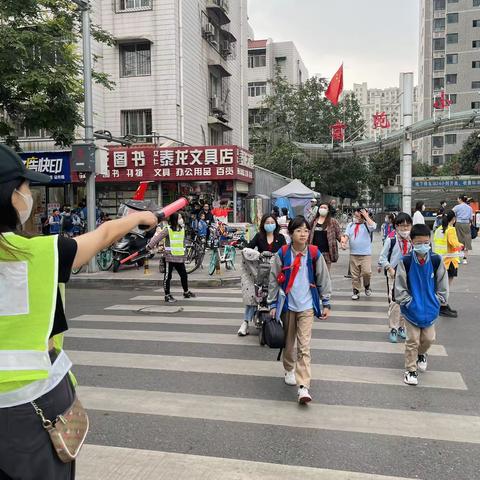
174,393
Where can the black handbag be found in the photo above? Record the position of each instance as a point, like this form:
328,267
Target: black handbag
473,231
273,334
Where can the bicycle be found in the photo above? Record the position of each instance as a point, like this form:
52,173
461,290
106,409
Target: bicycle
194,254
104,261
227,257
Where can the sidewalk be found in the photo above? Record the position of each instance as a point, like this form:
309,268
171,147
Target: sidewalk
133,277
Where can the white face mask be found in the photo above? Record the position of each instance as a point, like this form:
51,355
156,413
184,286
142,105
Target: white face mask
323,212
403,233
24,215
181,222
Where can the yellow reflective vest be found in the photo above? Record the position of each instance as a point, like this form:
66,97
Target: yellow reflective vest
177,242
447,245
28,297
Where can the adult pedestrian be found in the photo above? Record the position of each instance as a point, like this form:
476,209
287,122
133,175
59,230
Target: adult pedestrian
325,233
34,367
268,239
446,244
464,215
312,210
208,214
359,234
174,236
283,221
440,213
66,221
55,222
418,215
394,248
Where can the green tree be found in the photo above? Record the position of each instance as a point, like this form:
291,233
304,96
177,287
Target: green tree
41,68
467,161
303,114
382,167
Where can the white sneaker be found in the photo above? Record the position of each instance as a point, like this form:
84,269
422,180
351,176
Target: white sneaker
465,262
290,378
355,296
368,292
411,378
303,396
243,330
422,362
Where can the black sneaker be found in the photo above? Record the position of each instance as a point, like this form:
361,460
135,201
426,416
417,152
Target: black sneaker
189,294
452,310
169,299
411,378
446,312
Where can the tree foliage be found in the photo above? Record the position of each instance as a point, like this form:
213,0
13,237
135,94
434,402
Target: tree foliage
467,160
382,168
41,67
302,114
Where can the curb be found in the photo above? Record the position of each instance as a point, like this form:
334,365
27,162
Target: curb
132,283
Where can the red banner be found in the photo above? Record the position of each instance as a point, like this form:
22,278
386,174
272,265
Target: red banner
225,162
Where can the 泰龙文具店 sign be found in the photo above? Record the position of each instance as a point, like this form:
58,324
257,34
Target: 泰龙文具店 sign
54,164
178,164
445,183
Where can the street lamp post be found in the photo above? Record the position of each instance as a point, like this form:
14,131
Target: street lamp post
88,112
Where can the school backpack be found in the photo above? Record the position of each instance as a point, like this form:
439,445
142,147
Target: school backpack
67,223
273,333
436,260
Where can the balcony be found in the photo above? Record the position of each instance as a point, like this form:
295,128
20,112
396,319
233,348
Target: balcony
219,111
220,8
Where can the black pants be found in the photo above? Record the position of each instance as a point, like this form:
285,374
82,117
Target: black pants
167,279
26,451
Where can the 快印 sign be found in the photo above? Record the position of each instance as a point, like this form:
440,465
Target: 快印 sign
226,162
54,164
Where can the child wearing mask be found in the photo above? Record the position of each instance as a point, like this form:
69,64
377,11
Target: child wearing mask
300,277
421,286
394,249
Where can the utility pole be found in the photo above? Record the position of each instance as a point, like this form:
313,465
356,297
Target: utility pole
88,111
407,110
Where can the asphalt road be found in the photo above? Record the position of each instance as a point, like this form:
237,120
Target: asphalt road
183,397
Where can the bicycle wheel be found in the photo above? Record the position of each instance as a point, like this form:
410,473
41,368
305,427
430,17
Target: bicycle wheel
76,270
105,259
213,262
195,261
230,254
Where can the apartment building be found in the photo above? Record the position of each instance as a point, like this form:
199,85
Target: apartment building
265,57
375,101
449,61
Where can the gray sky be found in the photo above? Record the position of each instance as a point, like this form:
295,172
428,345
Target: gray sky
376,39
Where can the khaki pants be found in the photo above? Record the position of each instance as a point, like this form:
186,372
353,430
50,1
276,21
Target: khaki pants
417,343
395,318
360,267
298,326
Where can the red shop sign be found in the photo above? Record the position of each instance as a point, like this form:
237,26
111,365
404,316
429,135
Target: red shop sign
226,162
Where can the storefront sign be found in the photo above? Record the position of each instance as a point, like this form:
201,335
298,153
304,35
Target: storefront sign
445,183
54,164
178,164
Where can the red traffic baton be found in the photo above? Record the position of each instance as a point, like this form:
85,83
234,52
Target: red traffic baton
168,210
130,257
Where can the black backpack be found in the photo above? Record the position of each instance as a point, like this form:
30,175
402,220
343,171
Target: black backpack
67,223
273,334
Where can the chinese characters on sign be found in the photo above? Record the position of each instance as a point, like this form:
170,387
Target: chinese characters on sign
54,164
446,183
338,131
179,164
380,120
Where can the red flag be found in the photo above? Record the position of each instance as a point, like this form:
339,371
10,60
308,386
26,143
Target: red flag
141,190
336,86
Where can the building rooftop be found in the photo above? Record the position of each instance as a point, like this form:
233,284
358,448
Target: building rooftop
257,43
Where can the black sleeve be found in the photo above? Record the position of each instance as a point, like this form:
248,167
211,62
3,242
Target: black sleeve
253,242
67,249
282,240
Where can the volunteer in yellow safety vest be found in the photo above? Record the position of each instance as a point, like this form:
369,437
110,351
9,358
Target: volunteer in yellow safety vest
174,236
33,365
447,245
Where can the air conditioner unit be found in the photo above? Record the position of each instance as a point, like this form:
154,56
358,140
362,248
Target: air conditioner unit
398,180
214,43
226,48
216,105
209,30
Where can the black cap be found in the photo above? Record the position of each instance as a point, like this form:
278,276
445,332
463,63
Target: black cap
12,167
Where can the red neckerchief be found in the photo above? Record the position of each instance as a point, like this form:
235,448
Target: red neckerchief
294,272
357,229
405,246
421,261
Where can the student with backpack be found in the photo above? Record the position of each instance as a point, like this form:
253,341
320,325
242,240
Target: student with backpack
66,222
394,248
359,234
421,287
299,290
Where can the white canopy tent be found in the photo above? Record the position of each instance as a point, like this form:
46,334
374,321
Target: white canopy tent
295,195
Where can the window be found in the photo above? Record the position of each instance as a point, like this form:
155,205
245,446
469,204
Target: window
452,1
256,117
475,105
439,4
476,44
136,122
438,83
257,89
257,60
129,5
448,157
439,44
452,97
476,23
451,78
437,159
452,18
135,60
450,138
439,24
438,64
476,84
437,142
476,64
452,38
452,58
476,3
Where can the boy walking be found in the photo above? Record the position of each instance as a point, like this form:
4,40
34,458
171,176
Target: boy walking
359,235
421,286
300,289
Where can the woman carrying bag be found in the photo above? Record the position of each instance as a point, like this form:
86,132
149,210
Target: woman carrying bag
34,369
